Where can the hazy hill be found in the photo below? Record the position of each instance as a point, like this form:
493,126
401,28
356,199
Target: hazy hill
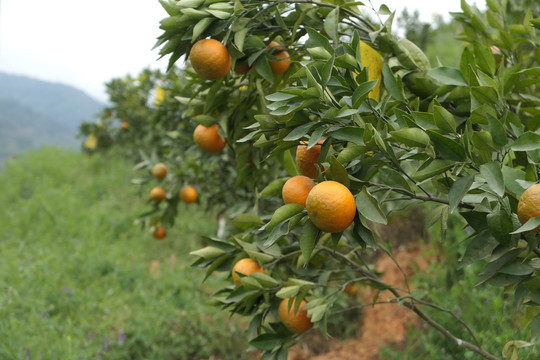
21,128
35,112
63,103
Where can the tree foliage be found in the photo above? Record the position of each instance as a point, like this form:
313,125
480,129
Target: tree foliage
464,138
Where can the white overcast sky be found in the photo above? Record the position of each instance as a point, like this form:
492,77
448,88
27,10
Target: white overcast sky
87,43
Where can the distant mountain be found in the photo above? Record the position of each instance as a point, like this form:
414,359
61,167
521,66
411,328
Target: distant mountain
22,128
63,103
35,112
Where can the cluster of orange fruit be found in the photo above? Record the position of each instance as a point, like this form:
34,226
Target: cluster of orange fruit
330,205
212,61
188,194
296,321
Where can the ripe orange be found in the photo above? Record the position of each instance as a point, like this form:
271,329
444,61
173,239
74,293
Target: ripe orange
159,171
298,322
188,194
296,190
159,232
208,139
282,62
351,290
158,194
245,267
331,207
529,205
241,68
210,59
307,158
125,125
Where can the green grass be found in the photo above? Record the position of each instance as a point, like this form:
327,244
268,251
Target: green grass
74,269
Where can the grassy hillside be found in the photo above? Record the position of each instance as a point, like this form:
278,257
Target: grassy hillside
79,281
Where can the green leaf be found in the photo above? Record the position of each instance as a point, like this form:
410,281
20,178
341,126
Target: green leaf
393,178
494,5
354,135
517,269
535,323
444,119
368,206
484,58
391,84
531,224
289,163
362,91
263,68
497,131
511,176
338,172
308,239
493,174
316,39
481,95
282,214
315,314
447,148
300,131
526,142
500,224
288,292
247,221
267,341
208,252
205,120
447,76
433,168
504,280
331,24
265,280
274,188
414,137
199,28
240,37
480,247
458,190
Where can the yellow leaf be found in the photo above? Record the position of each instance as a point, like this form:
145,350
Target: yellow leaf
91,142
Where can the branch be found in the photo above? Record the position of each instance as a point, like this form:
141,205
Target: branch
409,304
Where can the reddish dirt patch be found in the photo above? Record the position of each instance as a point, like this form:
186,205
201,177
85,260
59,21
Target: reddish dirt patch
383,324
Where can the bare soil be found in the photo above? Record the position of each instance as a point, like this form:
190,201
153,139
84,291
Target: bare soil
385,324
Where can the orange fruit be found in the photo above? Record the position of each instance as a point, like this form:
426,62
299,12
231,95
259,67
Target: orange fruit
158,194
282,59
188,194
159,171
529,205
245,267
208,139
210,59
330,206
125,125
296,190
307,158
351,289
241,68
298,322
159,232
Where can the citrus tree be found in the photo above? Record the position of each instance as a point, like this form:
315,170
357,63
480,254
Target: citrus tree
307,123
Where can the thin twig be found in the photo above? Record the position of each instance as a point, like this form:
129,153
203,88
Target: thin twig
412,306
